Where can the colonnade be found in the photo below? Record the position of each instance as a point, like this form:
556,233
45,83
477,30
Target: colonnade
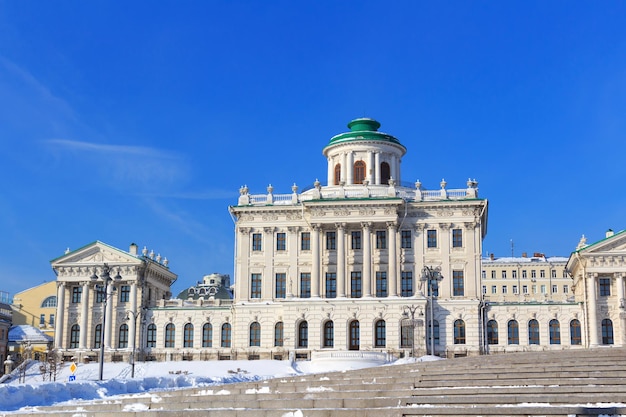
372,161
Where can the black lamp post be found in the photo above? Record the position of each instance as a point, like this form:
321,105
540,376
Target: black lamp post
134,315
433,276
106,278
410,310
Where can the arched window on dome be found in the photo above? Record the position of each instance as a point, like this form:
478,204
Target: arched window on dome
359,172
49,302
385,173
337,174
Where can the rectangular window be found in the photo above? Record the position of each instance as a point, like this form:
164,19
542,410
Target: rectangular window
515,291
381,239
458,286
331,241
533,274
305,241
381,284
405,239
534,289
524,274
542,274
555,289
255,286
77,294
457,238
124,293
305,285
514,274
605,286
553,273
256,241
42,319
483,274
355,284
281,285
504,289
406,284
331,285
51,319
565,289
543,289
503,274
431,238
525,289
99,290
281,241
356,240
484,289
494,289
493,274
565,273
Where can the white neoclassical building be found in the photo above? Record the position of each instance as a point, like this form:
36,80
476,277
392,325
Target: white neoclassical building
361,265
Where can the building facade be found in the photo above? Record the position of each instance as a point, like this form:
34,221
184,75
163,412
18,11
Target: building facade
103,294
6,319
599,272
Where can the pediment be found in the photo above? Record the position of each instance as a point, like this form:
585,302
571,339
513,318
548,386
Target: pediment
96,253
613,245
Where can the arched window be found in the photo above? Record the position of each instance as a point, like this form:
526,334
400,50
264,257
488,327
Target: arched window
188,335
74,336
513,328
355,335
337,174
303,334
385,173
122,340
381,334
279,334
575,333
533,332
151,335
207,335
329,334
97,336
607,332
170,335
49,302
492,332
359,172
459,332
406,336
555,332
226,331
255,334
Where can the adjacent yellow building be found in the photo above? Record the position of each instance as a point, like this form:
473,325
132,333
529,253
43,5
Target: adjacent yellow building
36,307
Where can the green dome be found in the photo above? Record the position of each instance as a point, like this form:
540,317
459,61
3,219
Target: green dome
363,129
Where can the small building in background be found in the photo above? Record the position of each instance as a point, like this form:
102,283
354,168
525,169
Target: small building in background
5,324
28,342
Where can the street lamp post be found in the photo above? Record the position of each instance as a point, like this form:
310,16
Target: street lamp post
411,310
134,315
432,276
106,278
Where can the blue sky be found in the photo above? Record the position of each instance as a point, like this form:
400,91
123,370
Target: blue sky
139,121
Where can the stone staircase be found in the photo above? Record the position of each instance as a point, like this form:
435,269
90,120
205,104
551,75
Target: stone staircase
566,383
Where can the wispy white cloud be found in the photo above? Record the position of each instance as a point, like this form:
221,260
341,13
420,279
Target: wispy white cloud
129,150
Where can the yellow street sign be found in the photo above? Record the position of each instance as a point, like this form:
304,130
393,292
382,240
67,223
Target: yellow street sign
73,367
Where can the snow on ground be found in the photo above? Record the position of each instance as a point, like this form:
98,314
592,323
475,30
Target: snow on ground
153,376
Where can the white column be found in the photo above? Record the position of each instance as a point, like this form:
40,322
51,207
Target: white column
331,172
60,316
293,248
367,260
349,170
393,261
242,276
370,174
109,318
341,260
132,328
394,169
315,261
377,168
622,314
592,309
84,315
